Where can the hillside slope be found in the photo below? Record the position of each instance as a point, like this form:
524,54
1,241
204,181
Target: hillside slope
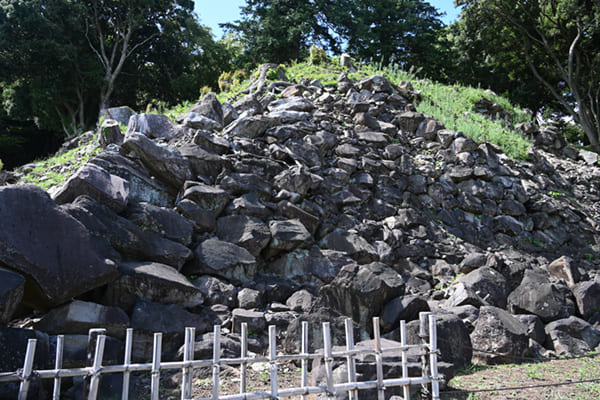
315,199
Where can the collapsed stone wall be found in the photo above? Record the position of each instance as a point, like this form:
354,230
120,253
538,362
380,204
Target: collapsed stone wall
304,202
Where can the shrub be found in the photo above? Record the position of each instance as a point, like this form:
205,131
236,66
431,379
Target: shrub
318,56
273,73
1,165
204,90
225,81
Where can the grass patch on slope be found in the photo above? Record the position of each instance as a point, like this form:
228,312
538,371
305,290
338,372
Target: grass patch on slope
453,105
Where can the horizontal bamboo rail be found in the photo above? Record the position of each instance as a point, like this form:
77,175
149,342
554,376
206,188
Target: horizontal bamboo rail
93,374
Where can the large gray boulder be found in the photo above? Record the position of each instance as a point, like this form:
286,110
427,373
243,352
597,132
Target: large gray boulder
250,127
360,292
209,198
59,256
81,316
210,107
306,266
351,243
130,240
142,188
152,281
587,296
203,162
93,181
12,287
120,114
163,221
501,337
287,235
248,232
537,295
222,259
571,336
149,317
216,291
489,284
154,126
167,165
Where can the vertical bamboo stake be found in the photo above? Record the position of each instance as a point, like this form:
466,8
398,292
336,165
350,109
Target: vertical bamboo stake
126,362
378,359
273,360
328,359
424,345
60,344
304,351
97,367
27,368
435,385
405,388
187,372
353,394
156,355
216,361
244,354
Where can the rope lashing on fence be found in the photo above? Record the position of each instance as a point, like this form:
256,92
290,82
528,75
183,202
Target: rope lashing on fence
327,355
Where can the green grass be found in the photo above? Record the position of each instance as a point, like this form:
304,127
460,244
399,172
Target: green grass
54,171
453,105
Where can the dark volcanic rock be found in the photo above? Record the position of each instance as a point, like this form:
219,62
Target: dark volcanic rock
12,287
354,245
167,165
361,291
572,336
537,295
248,232
93,181
163,221
222,259
171,320
287,235
127,238
81,316
154,126
499,335
52,249
152,281
210,198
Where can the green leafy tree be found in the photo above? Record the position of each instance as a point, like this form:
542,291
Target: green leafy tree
47,72
281,30
62,61
554,43
404,31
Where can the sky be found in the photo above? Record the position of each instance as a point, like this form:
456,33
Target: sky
213,12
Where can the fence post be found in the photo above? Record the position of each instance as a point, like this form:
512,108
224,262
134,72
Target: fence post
328,359
188,372
353,394
216,361
93,335
273,360
60,344
27,368
156,355
97,367
423,333
405,388
126,362
304,352
244,354
378,359
435,385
